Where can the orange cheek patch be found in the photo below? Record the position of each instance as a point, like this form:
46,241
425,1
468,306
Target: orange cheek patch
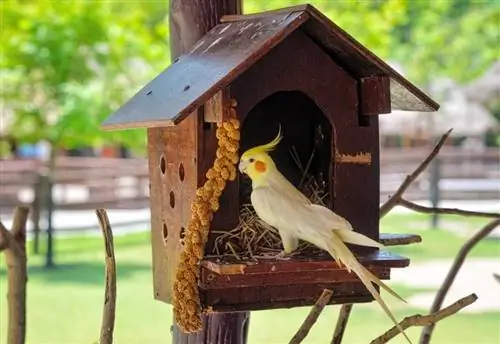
260,166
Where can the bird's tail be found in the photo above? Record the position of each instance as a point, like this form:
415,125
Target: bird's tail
341,252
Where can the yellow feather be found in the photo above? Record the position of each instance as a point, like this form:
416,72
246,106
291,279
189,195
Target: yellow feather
265,147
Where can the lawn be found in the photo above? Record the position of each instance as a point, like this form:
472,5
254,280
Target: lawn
65,304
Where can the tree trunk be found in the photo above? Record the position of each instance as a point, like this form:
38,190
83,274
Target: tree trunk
189,21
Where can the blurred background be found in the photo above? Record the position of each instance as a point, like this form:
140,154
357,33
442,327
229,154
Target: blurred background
67,65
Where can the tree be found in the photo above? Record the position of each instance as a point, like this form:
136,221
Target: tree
67,65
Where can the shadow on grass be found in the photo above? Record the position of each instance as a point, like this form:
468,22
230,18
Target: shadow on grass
82,273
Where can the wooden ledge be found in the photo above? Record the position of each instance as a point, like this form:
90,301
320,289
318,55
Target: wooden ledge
228,266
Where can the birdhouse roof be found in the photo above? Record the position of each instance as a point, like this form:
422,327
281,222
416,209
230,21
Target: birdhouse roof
237,43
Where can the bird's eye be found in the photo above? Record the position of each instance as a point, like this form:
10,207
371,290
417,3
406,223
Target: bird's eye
251,160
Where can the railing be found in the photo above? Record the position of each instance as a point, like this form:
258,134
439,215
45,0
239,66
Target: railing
94,182
462,174
113,183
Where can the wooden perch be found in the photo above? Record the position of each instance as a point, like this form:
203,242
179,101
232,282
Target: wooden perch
448,211
312,317
13,244
424,320
338,334
396,198
457,264
108,316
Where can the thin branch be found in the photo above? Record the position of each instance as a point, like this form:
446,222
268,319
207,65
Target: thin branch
395,199
425,320
344,313
14,247
448,211
5,237
312,317
108,316
496,277
457,264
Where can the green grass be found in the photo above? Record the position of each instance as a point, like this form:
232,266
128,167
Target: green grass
65,304
439,243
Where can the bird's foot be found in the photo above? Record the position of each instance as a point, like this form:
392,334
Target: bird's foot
283,255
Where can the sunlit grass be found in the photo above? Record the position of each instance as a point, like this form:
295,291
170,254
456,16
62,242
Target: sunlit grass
65,304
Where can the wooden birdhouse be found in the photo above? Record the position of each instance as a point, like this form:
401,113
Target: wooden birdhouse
294,69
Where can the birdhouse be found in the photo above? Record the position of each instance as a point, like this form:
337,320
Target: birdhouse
292,69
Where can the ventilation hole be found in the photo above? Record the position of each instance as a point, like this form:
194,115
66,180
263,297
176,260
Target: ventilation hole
183,230
172,199
208,126
165,233
181,172
163,165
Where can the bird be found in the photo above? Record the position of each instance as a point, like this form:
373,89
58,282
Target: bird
280,204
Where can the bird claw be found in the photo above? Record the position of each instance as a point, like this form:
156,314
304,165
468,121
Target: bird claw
283,255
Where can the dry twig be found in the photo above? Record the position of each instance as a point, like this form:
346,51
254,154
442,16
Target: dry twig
312,317
13,244
425,320
448,211
457,264
108,316
345,311
396,198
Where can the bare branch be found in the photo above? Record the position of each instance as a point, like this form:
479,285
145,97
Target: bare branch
344,313
312,317
108,316
399,239
457,264
14,244
496,277
448,211
424,320
5,237
395,199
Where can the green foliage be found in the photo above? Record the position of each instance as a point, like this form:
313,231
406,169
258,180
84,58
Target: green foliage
77,286
67,65
459,39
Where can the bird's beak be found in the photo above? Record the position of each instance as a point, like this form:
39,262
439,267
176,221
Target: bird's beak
242,167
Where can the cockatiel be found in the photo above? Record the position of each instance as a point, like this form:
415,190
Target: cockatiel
277,202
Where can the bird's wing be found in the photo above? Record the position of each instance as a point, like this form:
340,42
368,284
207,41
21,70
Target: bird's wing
329,218
274,207
278,181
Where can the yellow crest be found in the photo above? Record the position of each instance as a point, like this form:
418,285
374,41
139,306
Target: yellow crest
268,146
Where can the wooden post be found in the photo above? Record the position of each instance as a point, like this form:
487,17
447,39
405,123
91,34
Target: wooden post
189,21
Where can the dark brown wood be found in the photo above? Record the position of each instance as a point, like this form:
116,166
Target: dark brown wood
189,21
319,262
289,67
222,284
227,50
375,95
361,62
211,64
282,296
